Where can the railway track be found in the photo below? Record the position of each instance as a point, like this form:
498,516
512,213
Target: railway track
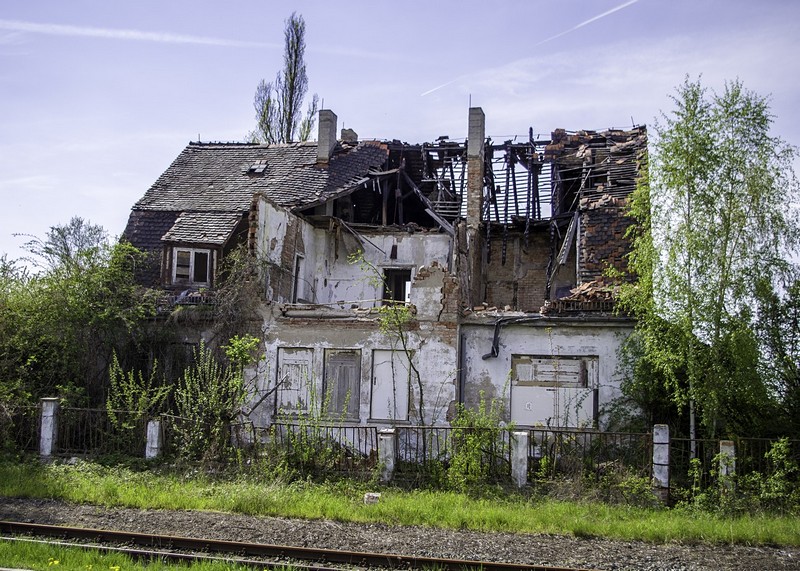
176,548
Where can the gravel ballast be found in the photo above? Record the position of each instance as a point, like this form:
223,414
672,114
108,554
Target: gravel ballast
564,551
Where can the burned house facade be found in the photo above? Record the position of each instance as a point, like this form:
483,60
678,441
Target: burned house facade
400,279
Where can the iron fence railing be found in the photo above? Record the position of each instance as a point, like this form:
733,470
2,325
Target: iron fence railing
318,447
98,431
421,452
573,453
19,427
424,451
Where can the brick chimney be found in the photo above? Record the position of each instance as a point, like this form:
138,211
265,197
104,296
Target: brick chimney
475,140
472,282
326,141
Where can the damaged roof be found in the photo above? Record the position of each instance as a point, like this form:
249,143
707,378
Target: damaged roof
224,177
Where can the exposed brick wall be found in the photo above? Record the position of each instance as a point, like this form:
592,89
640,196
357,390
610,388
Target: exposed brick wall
602,240
521,282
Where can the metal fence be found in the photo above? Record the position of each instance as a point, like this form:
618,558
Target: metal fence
423,452
96,431
320,448
572,454
20,428
750,456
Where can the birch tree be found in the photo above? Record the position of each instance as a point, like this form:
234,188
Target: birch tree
715,216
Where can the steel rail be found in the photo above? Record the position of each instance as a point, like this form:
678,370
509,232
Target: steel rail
324,556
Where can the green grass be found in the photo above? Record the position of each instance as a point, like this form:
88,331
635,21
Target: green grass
39,556
117,486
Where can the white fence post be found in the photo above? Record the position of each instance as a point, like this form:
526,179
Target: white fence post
727,462
387,444
48,429
154,439
661,461
520,443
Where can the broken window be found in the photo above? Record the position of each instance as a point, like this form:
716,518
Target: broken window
396,285
297,288
191,266
342,382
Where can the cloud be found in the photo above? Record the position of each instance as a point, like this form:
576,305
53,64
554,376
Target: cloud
131,35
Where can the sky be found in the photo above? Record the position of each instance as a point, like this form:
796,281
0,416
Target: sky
97,97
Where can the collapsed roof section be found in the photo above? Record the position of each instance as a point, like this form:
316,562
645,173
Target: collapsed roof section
525,183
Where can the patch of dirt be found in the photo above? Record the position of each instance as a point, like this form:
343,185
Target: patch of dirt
559,551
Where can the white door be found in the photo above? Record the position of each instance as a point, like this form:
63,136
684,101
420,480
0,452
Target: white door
391,375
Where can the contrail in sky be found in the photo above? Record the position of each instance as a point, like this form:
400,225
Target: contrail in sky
589,21
120,34
572,29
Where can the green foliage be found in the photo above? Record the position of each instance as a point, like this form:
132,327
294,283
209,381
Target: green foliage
157,489
132,397
778,329
779,488
60,327
208,398
714,216
278,103
479,451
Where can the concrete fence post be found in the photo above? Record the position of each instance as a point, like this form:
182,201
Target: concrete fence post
661,461
387,452
727,461
520,442
154,439
48,429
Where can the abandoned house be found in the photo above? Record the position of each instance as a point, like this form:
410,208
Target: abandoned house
400,279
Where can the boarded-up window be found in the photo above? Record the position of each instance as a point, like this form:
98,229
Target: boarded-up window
343,382
554,391
540,371
294,380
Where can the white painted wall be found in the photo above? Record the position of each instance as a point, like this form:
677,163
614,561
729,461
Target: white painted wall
339,280
544,337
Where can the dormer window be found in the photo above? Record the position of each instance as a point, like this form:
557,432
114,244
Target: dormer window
191,266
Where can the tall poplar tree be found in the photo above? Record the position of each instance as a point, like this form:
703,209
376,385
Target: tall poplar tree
278,103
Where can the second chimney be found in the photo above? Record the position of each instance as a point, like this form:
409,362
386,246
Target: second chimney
327,135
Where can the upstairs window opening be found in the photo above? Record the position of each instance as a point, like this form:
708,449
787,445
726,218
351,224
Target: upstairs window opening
396,285
191,266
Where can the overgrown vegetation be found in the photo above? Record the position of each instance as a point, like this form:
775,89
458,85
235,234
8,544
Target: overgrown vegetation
479,454
716,228
343,501
62,321
209,398
30,554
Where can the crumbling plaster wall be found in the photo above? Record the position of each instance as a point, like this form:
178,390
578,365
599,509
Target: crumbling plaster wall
432,346
340,280
545,337
282,236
